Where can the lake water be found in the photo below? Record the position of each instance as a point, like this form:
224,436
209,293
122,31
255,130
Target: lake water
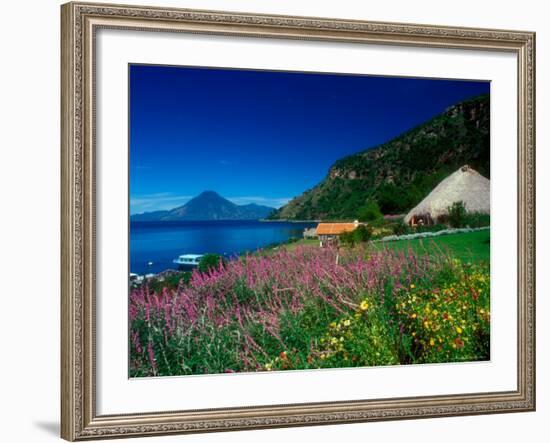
162,242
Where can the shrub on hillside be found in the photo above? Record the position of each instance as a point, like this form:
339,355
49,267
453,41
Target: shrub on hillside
361,234
477,220
401,228
348,239
457,214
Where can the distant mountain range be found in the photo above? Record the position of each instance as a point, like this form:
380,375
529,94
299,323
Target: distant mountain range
398,174
208,205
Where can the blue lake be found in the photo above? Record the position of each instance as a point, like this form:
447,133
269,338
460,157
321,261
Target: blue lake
162,242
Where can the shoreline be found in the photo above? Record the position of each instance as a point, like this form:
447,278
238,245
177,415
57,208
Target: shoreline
280,220
261,220
151,275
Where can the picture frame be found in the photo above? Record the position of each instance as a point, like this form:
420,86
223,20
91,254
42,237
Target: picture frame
79,178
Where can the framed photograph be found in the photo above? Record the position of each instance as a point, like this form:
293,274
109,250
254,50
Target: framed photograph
283,221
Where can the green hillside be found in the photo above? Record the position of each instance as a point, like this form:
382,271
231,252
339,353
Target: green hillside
400,173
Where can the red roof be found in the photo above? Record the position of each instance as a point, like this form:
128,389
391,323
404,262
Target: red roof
334,228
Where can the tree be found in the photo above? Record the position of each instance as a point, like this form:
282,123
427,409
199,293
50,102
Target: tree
347,238
362,234
369,212
457,214
393,199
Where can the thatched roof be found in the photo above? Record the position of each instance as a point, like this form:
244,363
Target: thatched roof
464,185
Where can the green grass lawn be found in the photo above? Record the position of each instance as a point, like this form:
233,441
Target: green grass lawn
470,246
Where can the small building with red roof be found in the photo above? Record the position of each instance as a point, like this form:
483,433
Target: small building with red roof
330,232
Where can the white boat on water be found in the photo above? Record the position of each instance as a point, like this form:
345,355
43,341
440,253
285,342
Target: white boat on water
188,259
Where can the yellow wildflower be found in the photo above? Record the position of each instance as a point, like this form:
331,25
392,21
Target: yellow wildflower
412,286
432,342
459,329
364,305
347,322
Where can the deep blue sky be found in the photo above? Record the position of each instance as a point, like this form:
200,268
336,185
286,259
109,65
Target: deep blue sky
262,136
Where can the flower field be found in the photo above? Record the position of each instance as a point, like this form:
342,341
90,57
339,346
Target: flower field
310,308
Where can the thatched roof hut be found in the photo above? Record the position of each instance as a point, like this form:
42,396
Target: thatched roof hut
464,185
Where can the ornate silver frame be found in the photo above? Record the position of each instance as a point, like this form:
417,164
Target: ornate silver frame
80,21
